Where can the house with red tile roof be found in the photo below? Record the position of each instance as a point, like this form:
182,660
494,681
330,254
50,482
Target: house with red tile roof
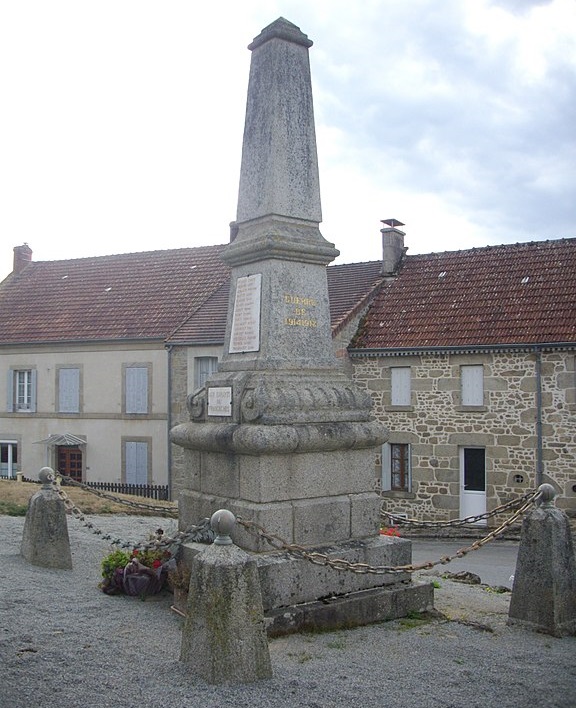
470,360
98,355
84,368
469,357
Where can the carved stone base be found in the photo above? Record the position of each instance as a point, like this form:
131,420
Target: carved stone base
299,595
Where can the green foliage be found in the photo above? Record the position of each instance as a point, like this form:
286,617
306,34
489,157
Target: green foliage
8,508
414,620
116,559
436,584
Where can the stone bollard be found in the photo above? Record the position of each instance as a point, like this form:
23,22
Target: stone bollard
45,539
224,640
544,590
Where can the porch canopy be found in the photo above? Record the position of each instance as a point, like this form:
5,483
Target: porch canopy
61,439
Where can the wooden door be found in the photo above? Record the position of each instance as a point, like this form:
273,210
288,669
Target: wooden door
70,462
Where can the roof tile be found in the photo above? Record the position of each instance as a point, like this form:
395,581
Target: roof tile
512,294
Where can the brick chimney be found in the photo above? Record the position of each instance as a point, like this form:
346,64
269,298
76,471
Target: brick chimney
22,256
393,249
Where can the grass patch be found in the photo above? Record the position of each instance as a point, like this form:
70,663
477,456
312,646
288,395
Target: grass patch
10,508
414,620
15,496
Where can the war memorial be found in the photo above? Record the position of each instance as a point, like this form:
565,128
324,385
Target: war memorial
280,436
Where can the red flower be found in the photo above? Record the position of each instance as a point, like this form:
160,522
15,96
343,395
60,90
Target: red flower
156,563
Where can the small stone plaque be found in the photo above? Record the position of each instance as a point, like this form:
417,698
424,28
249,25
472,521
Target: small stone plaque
245,334
220,400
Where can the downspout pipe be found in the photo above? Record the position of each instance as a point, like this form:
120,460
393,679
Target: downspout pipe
169,423
539,442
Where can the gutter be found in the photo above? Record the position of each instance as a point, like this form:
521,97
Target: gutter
169,348
539,436
461,349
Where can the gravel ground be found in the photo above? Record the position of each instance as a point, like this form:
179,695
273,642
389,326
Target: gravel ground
63,643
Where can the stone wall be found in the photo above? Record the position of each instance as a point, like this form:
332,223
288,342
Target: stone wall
436,425
178,414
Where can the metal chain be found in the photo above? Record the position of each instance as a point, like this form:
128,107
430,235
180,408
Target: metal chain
162,542
363,568
465,521
159,542
171,512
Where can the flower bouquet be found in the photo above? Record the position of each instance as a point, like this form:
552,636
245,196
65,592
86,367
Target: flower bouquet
139,573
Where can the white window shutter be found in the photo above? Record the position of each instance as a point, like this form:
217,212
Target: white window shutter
386,468
472,385
400,386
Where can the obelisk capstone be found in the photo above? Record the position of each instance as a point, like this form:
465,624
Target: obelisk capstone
280,435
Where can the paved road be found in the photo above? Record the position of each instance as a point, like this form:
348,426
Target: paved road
494,563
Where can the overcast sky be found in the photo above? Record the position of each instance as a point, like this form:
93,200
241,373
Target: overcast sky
121,121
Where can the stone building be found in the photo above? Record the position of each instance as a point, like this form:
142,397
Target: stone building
470,360
469,357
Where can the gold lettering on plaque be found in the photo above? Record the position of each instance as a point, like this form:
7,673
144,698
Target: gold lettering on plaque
301,315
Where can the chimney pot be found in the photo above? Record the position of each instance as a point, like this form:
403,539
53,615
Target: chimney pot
22,257
393,249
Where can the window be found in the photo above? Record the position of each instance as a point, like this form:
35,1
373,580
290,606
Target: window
401,392
472,385
8,458
69,390
396,475
21,391
136,382
204,366
135,462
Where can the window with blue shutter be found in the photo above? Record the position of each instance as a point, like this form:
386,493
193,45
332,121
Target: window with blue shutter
136,389
136,461
69,390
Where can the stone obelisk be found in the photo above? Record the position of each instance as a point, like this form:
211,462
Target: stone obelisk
280,435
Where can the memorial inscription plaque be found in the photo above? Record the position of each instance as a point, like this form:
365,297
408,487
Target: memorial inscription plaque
245,333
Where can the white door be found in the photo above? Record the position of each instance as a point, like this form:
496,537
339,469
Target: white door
473,482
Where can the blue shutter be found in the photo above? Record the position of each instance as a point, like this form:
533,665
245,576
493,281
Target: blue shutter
33,383
10,392
136,462
69,390
386,468
136,389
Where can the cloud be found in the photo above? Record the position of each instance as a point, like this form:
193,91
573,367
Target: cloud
123,122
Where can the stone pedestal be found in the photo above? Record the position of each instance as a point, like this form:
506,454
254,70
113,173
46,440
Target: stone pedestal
544,590
224,640
45,540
